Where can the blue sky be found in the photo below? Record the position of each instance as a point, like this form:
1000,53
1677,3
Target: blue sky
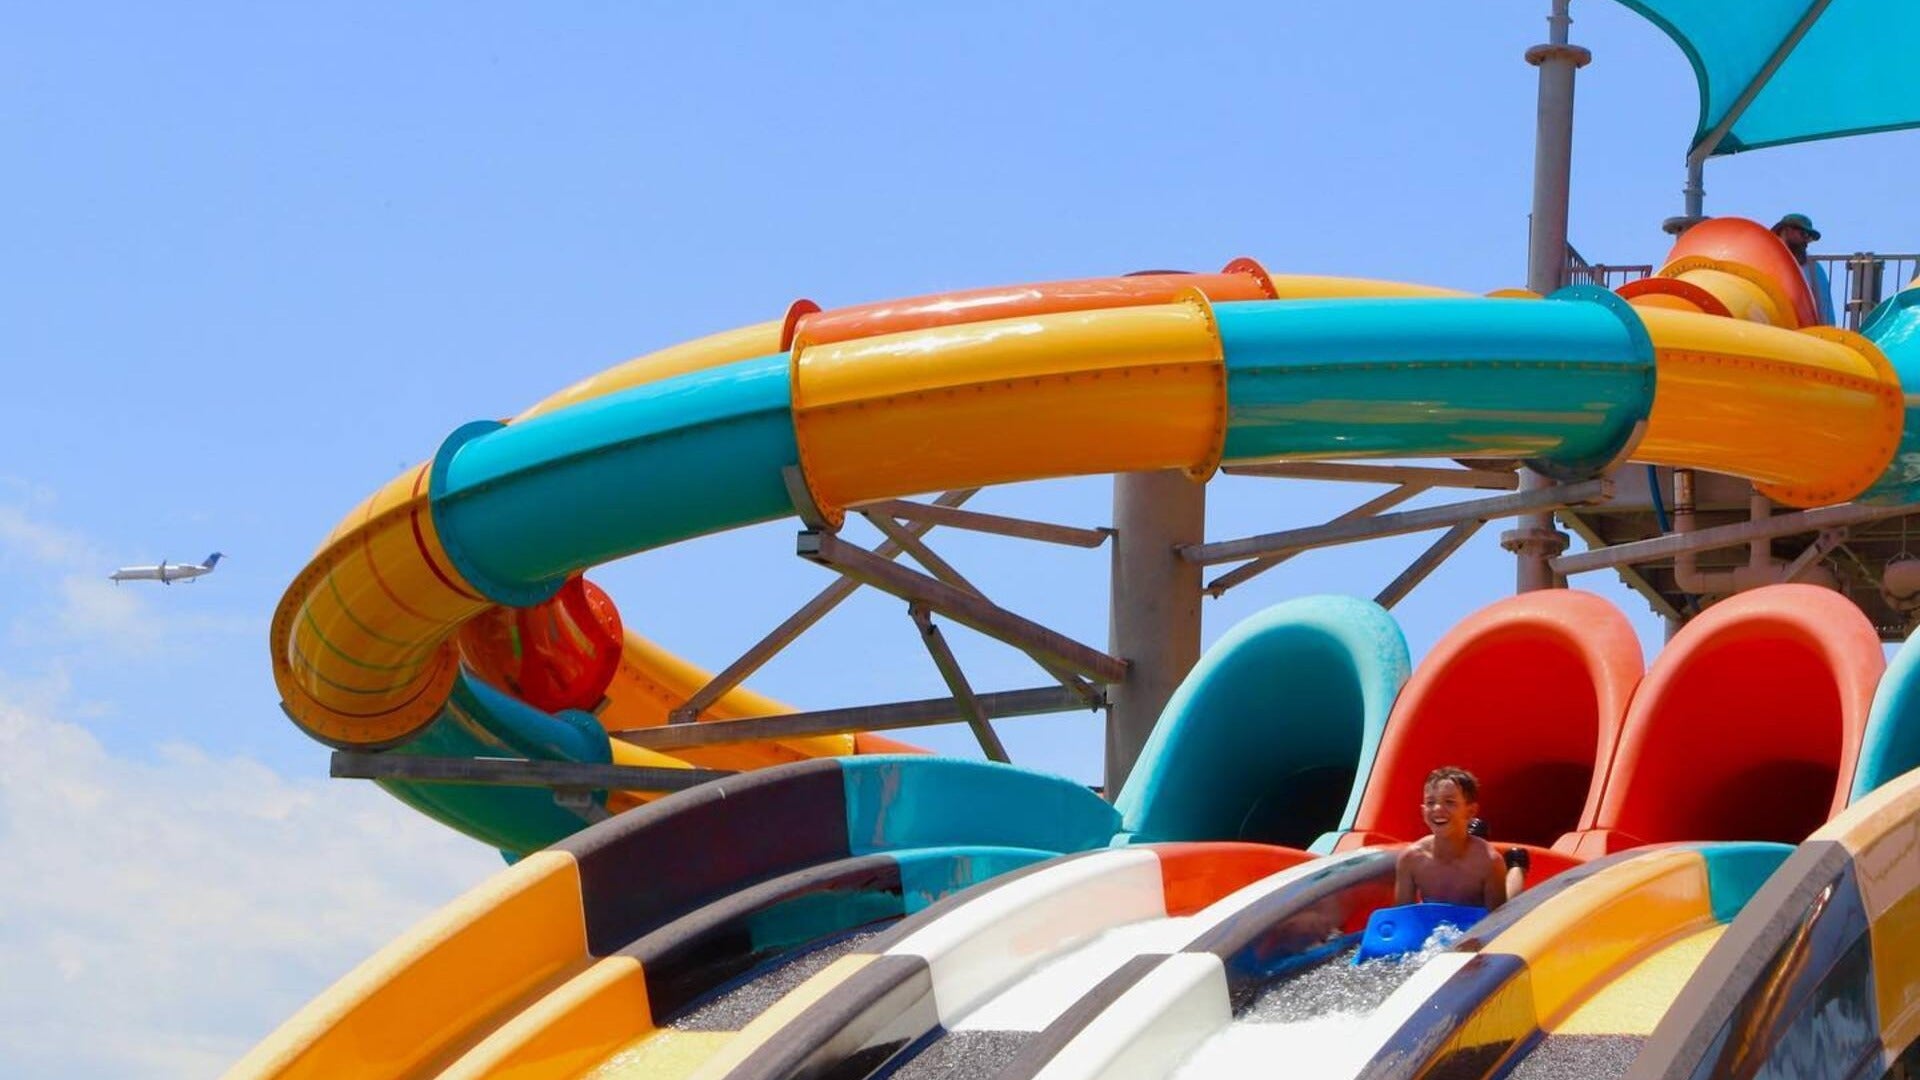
259,259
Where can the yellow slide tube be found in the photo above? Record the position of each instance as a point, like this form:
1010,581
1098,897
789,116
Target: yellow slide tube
1118,390
1326,287
714,350
567,1033
362,651
1879,832
651,682
1746,293
470,967
1728,392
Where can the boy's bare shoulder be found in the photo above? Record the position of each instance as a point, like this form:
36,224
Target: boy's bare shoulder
1480,849
1417,852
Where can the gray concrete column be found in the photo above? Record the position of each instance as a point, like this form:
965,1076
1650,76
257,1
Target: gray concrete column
1155,620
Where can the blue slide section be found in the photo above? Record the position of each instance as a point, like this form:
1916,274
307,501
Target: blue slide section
1270,736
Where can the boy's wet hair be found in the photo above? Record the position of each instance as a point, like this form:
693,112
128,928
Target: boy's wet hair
1462,779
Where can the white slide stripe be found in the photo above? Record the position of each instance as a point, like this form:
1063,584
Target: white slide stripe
1149,1030
1039,998
995,939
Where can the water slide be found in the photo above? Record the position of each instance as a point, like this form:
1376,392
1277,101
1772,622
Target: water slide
685,938
1155,371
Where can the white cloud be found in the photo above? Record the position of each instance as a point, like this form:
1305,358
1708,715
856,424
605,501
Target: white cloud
157,918
43,543
93,610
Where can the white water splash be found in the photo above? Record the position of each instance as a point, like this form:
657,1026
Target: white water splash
1321,1022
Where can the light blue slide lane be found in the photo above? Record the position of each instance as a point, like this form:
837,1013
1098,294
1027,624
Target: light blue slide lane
1890,745
1270,738
1895,327
912,801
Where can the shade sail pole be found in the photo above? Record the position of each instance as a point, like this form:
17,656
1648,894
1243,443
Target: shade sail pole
1711,140
1536,540
1702,150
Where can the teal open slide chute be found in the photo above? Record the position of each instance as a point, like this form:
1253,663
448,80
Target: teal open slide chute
1788,71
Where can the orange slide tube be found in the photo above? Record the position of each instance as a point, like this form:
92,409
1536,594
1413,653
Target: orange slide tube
1731,267
1746,728
1125,389
1528,694
807,324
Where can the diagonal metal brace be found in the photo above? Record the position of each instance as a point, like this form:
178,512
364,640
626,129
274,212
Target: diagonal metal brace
1246,572
898,535
1022,528
962,607
1427,562
956,679
1003,704
1660,547
796,624
1400,524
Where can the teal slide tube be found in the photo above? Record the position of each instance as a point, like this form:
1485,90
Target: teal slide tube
1895,327
641,468
479,721
1735,871
1270,738
1890,745
913,801
1565,381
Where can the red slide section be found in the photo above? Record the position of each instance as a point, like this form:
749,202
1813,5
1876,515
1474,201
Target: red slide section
558,654
1528,694
1747,728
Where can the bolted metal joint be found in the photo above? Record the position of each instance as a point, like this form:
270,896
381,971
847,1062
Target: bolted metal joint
1540,55
1534,542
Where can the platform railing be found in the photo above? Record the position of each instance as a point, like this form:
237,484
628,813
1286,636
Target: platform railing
1607,276
1863,279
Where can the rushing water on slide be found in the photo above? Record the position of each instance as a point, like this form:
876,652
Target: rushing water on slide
1312,1019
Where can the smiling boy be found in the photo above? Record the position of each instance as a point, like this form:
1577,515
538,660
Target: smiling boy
1450,866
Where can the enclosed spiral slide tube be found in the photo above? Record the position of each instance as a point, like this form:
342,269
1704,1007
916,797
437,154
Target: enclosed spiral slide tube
1156,371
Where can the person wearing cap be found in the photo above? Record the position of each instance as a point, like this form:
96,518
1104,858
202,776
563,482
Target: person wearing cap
1797,231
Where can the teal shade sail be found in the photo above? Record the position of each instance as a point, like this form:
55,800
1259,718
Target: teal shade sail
1838,67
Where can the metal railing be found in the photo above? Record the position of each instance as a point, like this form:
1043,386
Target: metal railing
1861,280
1582,272
1607,276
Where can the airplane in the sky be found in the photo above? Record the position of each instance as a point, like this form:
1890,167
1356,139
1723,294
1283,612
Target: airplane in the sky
167,573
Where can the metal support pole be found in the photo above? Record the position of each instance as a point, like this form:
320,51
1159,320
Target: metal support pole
569,775
1155,610
1537,539
1697,157
1696,200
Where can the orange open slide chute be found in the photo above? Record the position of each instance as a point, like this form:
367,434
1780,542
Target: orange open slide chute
1528,694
